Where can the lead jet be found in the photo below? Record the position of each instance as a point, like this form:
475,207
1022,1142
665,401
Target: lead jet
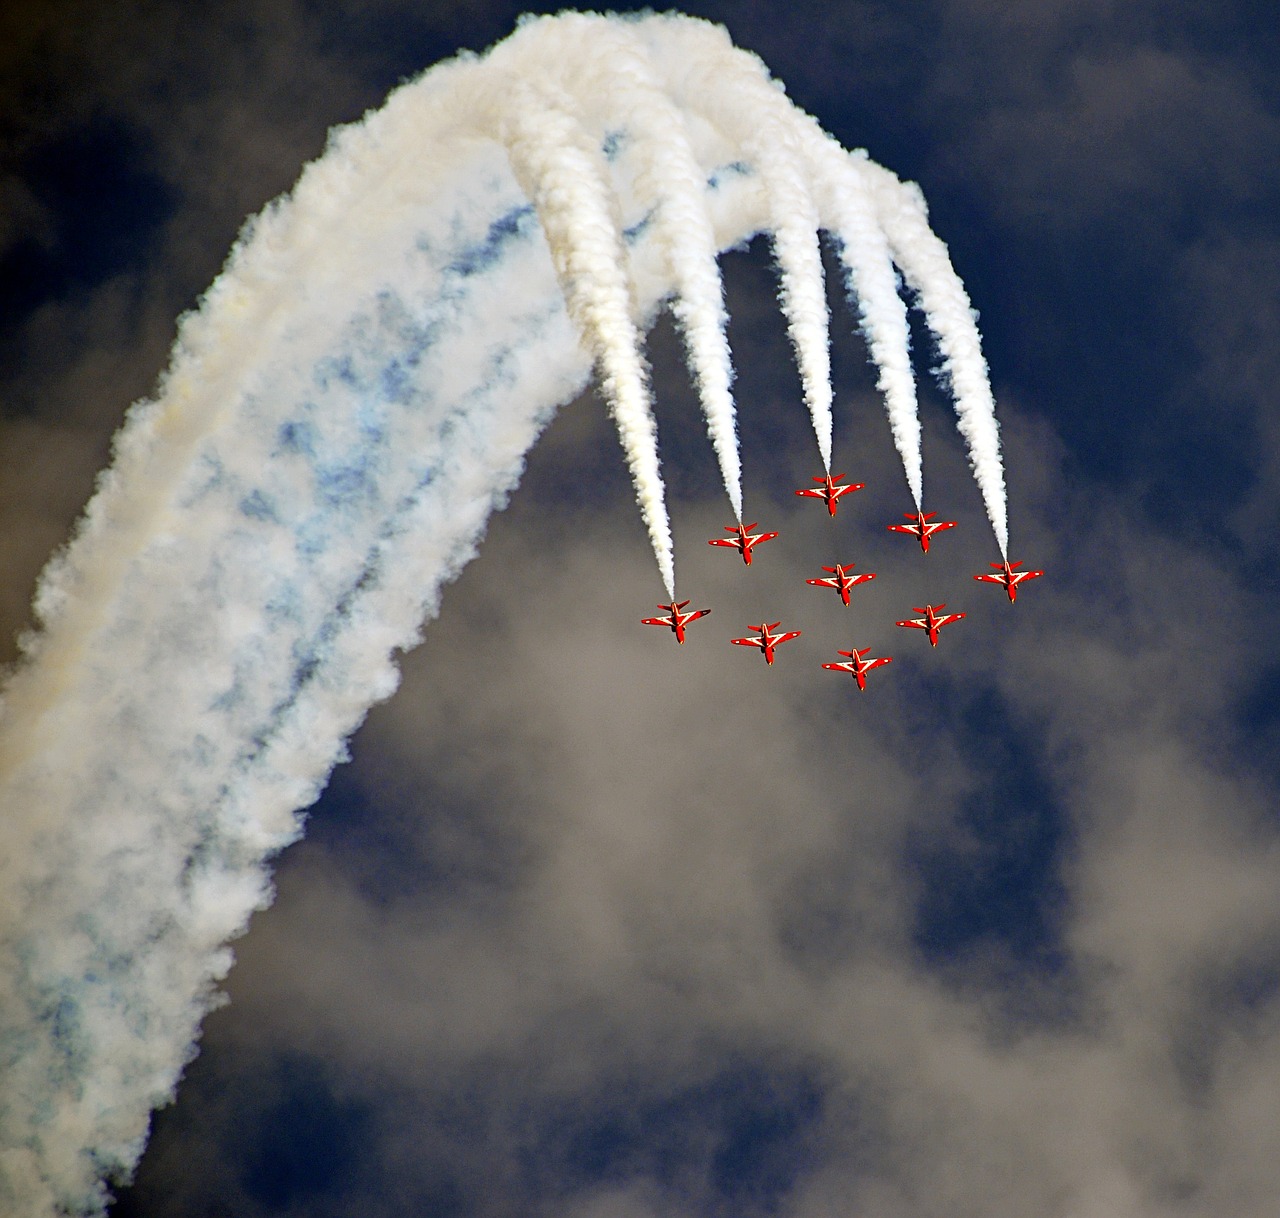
1009,577
920,527
767,640
831,490
858,667
675,619
744,541
932,622
841,580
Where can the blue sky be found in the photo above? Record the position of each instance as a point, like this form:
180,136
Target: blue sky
594,925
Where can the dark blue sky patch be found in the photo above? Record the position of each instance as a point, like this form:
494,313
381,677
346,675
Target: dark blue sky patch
106,206
994,881
335,368
343,483
303,1143
257,506
634,232
740,1138
1257,720
299,436
476,259
735,169
613,144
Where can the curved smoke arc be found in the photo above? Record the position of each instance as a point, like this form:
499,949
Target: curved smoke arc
354,396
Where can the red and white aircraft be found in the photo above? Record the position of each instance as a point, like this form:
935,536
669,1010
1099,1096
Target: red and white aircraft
841,580
1009,577
933,621
831,490
920,527
767,640
856,666
675,619
744,541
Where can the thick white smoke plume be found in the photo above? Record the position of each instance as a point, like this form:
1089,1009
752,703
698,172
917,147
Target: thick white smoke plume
353,398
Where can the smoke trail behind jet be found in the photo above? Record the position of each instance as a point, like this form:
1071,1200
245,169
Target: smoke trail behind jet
353,397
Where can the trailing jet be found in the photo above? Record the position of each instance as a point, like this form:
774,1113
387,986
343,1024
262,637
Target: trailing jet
1009,577
675,619
744,541
920,527
858,667
831,490
932,622
767,640
841,580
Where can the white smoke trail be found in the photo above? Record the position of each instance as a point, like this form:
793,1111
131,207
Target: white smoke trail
564,172
669,173
734,91
354,396
927,268
849,215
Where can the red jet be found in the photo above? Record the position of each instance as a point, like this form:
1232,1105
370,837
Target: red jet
1009,577
831,490
743,541
921,528
857,667
841,580
675,619
932,621
767,640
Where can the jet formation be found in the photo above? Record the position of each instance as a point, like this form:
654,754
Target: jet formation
831,490
743,542
766,640
842,580
1009,577
857,666
675,619
932,622
921,527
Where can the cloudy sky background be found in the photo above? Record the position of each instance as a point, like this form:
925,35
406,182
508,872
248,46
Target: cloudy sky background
595,925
